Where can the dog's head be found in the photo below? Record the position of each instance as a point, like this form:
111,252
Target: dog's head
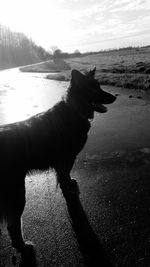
88,91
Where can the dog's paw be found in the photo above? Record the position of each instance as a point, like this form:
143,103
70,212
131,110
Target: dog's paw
28,255
25,247
29,245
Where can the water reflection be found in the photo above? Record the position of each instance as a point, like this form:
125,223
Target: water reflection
25,94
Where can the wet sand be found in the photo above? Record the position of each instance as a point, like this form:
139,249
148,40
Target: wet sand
126,125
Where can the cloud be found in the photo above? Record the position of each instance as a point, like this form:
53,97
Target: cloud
125,5
86,13
74,23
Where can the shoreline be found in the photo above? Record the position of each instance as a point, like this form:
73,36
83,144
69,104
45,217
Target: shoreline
130,78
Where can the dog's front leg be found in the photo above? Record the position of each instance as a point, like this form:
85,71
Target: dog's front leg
68,185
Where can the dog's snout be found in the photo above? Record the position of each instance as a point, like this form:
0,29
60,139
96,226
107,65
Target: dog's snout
108,98
113,98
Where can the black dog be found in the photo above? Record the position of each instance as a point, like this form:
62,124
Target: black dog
49,139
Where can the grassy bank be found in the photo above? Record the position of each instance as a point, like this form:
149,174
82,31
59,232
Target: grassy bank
128,68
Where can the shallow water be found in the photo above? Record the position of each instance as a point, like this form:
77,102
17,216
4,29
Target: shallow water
25,94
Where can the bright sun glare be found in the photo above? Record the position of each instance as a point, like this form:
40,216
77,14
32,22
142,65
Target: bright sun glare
85,25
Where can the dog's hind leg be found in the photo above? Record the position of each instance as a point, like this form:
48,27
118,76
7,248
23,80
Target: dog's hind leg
68,185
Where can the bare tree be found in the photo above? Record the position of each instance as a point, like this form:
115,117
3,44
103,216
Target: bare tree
17,49
58,55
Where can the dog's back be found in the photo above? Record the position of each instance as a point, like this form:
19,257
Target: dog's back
40,141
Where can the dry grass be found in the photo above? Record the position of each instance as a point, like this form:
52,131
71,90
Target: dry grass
128,68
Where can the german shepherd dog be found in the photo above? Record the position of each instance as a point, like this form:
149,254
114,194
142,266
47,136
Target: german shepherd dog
51,139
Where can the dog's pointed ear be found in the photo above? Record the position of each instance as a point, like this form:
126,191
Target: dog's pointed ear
77,77
91,73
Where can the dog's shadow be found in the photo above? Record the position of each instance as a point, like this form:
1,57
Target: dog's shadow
90,247
89,244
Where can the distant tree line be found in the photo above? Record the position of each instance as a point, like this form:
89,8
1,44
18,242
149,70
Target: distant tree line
17,49
59,54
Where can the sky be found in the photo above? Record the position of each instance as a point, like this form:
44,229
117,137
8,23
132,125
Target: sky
86,25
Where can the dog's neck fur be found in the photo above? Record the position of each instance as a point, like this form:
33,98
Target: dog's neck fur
79,104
